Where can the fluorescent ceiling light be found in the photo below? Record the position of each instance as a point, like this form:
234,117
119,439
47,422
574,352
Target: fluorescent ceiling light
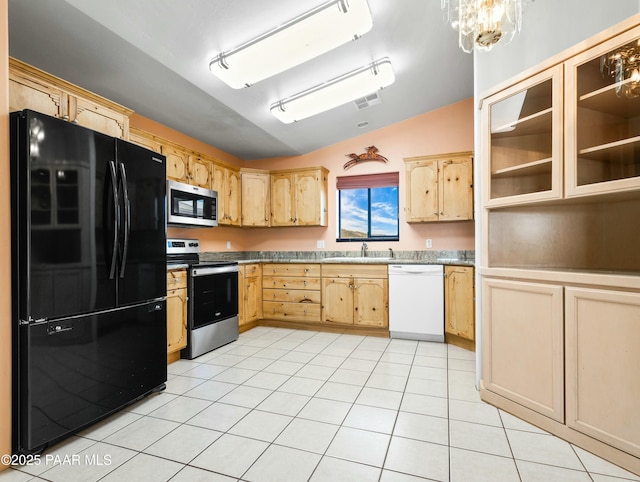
343,89
322,29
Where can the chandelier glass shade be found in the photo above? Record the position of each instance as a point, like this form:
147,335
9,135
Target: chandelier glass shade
483,23
623,65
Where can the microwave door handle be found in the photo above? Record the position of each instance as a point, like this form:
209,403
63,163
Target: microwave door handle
127,219
116,217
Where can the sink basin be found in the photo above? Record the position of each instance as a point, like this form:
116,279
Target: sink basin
357,259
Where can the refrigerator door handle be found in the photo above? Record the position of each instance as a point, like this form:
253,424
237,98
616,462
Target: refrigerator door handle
127,219
116,211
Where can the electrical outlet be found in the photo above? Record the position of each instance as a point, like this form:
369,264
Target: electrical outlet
429,244
228,244
320,244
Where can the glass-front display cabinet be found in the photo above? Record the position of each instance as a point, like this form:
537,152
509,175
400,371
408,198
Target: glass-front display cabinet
522,130
602,108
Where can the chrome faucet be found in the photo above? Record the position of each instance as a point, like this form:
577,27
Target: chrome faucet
363,249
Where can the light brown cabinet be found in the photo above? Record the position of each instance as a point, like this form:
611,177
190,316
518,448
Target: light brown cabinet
256,204
299,198
176,310
184,166
31,88
177,163
439,188
523,344
561,292
355,295
249,293
602,113
459,305
226,182
200,171
602,358
145,139
522,137
291,292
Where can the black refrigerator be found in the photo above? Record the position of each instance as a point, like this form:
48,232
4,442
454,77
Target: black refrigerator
88,277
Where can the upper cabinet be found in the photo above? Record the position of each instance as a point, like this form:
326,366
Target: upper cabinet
177,163
602,110
226,182
522,141
256,188
439,188
200,171
597,92
184,166
299,198
31,88
145,139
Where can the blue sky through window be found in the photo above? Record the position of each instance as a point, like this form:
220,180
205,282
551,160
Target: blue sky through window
355,212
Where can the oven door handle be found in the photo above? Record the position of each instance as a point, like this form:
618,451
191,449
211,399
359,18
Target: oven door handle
195,272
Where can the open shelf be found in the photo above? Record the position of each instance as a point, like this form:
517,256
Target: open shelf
542,166
537,123
606,152
606,101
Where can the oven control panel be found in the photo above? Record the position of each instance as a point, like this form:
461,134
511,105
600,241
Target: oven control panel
183,246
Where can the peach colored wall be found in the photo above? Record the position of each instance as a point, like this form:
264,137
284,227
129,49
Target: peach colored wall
5,241
445,130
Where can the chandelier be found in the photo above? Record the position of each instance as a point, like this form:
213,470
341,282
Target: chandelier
623,65
483,23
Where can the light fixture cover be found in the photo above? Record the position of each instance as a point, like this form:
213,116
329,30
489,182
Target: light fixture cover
320,30
335,92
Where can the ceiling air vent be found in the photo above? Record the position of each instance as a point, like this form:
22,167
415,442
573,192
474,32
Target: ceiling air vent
368,101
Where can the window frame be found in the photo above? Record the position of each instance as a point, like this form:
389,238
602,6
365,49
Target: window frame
368,182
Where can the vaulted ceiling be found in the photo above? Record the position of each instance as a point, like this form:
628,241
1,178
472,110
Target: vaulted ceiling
153,56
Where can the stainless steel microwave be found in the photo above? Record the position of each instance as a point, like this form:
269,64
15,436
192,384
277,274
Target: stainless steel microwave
189,205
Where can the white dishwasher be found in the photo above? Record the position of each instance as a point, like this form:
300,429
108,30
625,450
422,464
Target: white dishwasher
416,301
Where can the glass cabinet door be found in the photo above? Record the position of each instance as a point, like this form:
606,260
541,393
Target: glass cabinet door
522,130
603,117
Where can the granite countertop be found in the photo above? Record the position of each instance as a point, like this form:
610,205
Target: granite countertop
451,257
359,260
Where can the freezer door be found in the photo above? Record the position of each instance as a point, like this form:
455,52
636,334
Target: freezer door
72,372
142,242
61,245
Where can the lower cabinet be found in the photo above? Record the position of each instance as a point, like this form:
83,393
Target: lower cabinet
291,291
459,306
176,310
249,293
602,360
523,345
355,295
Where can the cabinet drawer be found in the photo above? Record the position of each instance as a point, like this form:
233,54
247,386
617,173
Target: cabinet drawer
292,283
252,270
176,279
292,269
354,271
291,296
274,310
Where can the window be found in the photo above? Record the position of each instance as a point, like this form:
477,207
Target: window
368,207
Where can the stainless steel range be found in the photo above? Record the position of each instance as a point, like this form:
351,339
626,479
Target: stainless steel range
212,307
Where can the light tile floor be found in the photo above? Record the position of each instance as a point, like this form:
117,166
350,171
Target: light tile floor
284,406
